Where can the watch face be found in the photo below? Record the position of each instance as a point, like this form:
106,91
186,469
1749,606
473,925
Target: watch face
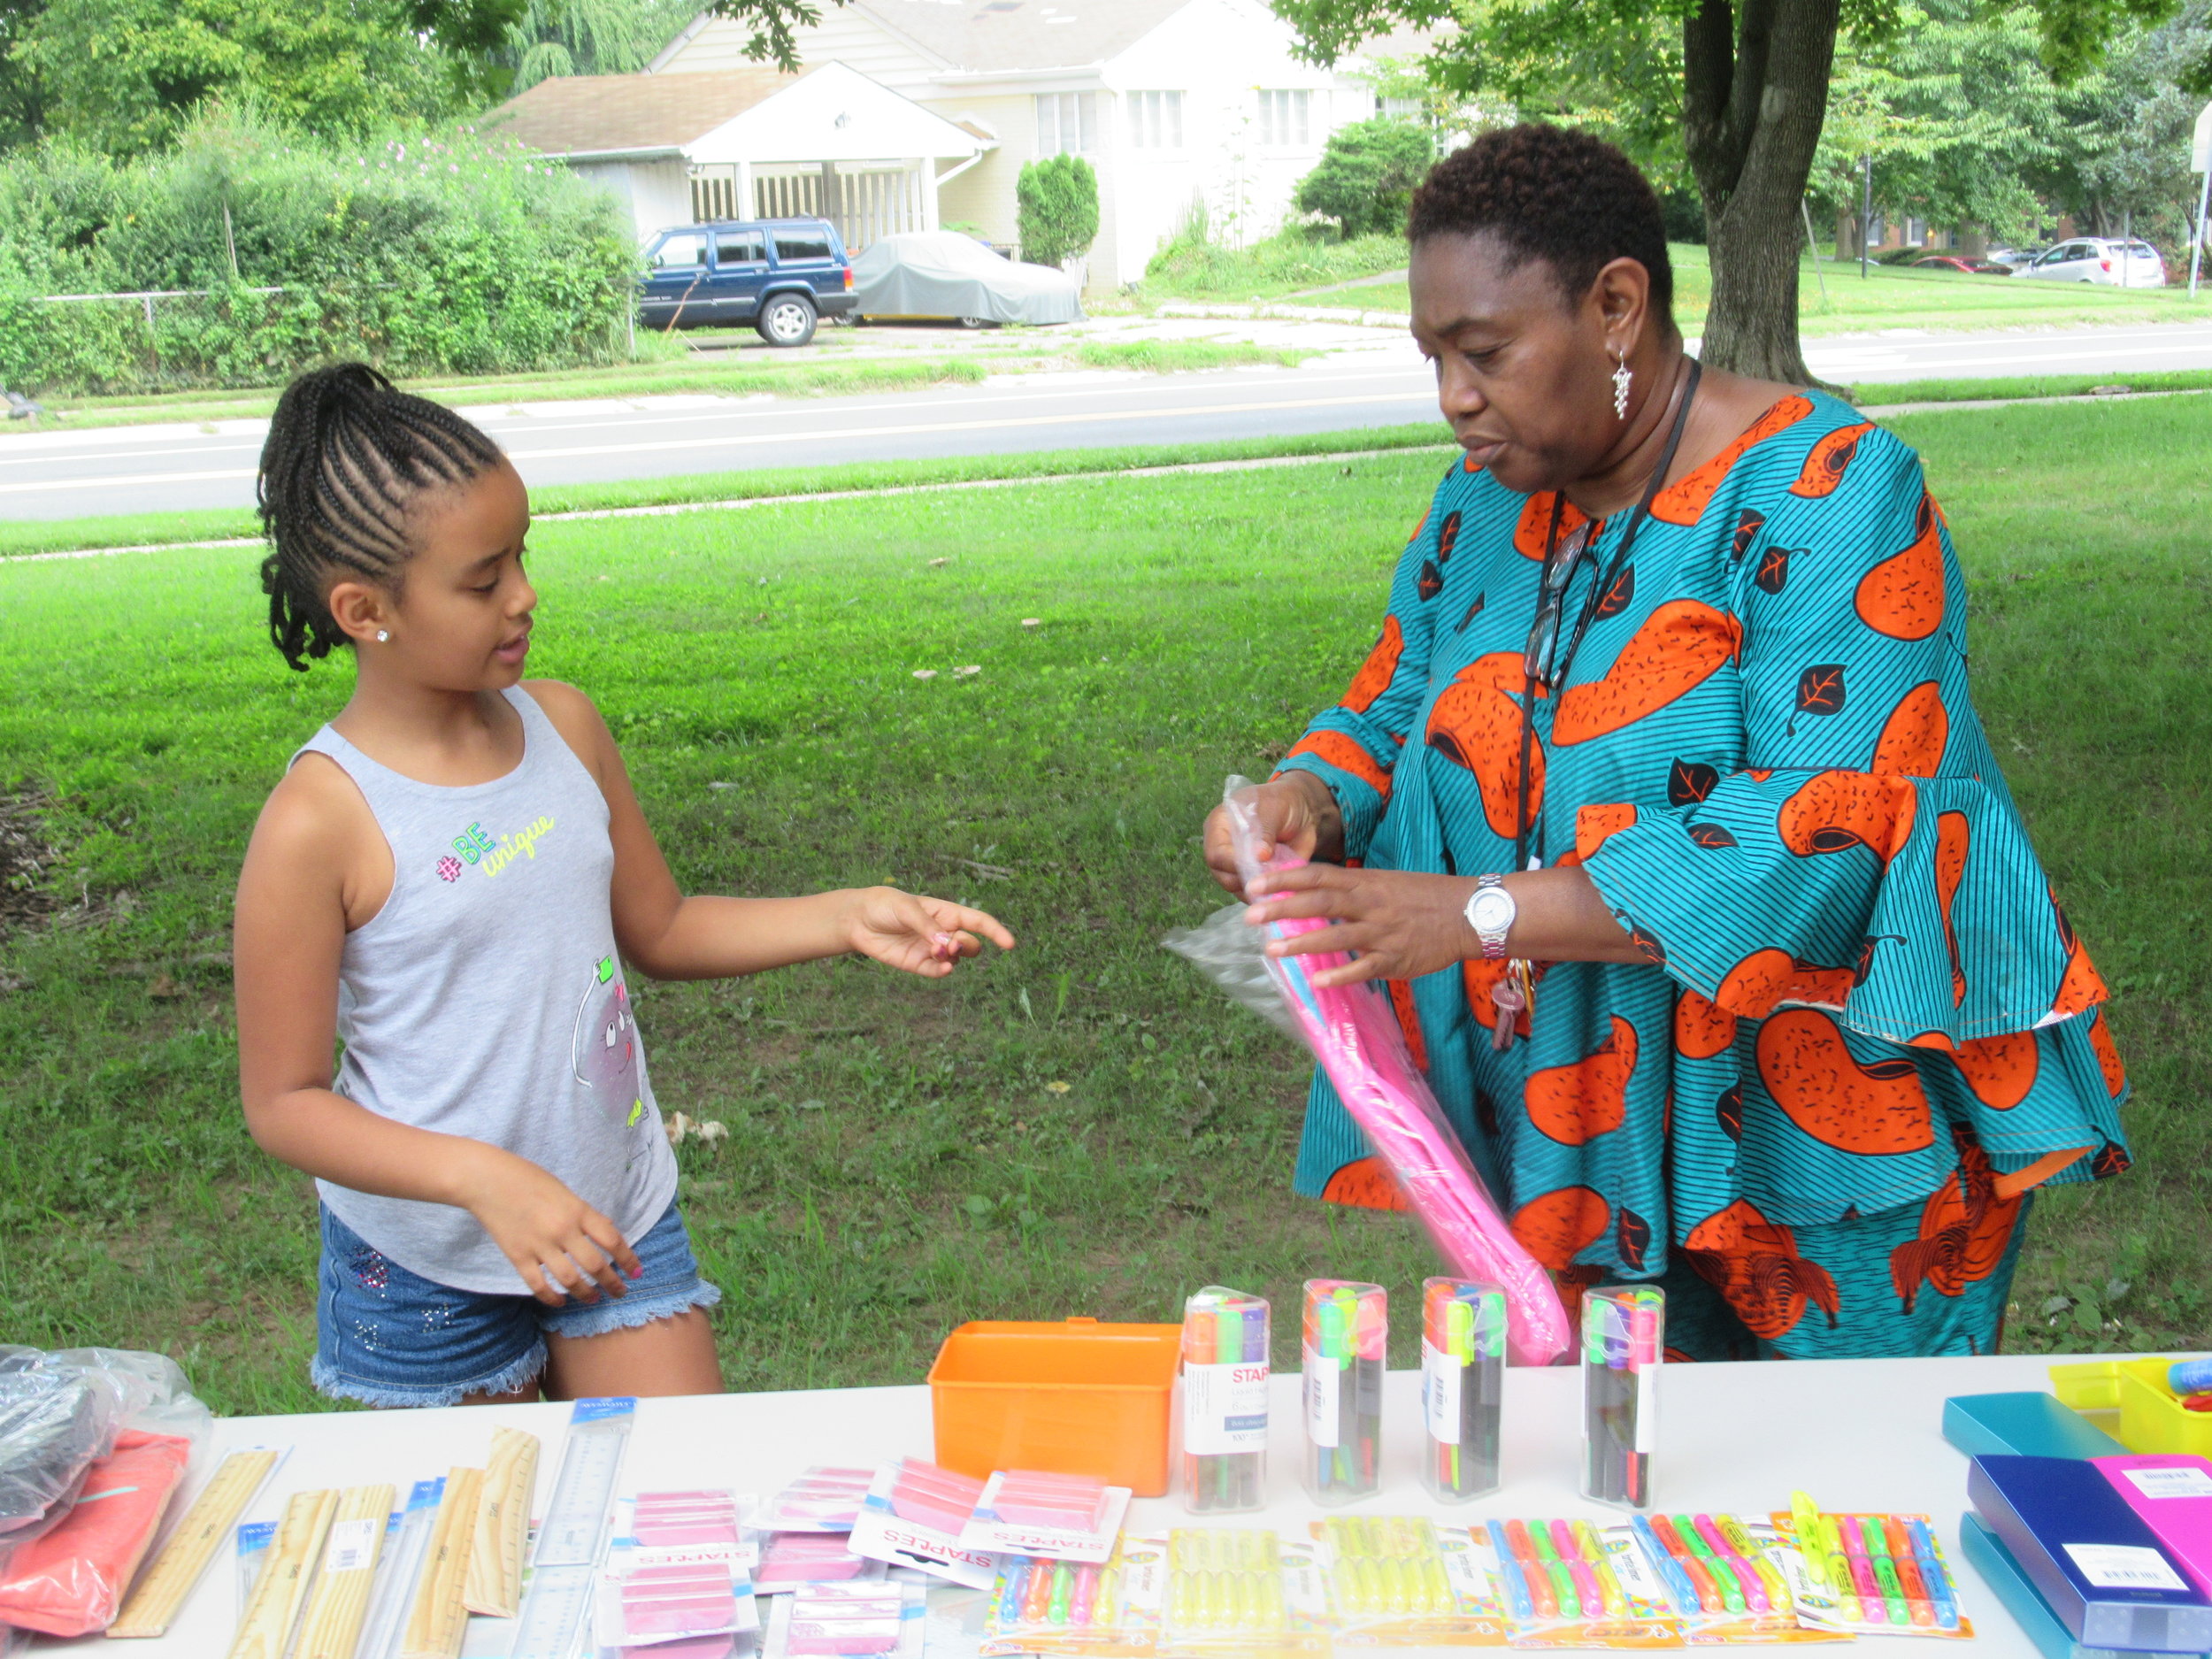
1491,912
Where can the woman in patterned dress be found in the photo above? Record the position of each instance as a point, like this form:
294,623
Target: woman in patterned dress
1785,1016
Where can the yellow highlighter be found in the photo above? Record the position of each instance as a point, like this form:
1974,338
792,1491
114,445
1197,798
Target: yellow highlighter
1838,1571
1601,1570
1746,1550
1805,1525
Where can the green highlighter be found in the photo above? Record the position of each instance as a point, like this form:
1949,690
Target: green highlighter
1723,1576
1885,1571
1562,1582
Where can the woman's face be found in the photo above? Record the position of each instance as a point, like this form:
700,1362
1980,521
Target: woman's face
1523,373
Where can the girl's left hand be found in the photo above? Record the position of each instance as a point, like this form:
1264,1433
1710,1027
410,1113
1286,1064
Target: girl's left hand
918,934
1401,924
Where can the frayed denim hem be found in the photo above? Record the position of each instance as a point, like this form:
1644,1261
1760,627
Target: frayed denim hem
329,1380
626,1313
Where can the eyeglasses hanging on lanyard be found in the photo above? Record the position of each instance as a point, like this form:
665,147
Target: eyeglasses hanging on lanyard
1543,661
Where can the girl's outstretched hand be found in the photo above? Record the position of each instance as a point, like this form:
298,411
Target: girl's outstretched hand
918,934
560,1245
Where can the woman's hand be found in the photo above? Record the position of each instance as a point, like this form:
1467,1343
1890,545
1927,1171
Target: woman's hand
1401,924
915,933
1295,810
560,1245
1404,924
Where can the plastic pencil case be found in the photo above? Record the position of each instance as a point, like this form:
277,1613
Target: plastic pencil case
1033,1499
1074,1398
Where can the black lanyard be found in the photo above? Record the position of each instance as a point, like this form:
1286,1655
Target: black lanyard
1551,597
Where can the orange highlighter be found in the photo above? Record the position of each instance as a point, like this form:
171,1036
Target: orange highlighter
1901,1558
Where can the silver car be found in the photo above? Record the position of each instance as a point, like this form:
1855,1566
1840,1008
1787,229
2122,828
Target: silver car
2115,264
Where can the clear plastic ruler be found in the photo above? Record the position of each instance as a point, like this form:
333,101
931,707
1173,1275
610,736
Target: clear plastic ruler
557,1602
398,1567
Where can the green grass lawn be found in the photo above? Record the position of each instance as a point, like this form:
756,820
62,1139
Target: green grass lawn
1834,299
899,1155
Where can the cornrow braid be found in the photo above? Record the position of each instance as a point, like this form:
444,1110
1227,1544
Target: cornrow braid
346,455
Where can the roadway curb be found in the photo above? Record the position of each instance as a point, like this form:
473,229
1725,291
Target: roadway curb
662,509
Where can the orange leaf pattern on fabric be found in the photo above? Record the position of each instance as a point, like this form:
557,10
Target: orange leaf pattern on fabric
1835,811
1574,1104
1701,1028
1558,1225
1825,466
2115,1075
1683,500
1476,723
1954,836
1903,596
1680,646
1872,1111
1366,1185
1534,524
1345,755
1913,738
1379,668
2001,1071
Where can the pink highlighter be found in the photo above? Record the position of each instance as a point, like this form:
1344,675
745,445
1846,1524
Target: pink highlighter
2172,1492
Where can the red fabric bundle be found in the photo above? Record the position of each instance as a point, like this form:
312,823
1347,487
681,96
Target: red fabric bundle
70,1581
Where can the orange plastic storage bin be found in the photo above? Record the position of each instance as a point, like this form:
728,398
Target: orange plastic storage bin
1075,1398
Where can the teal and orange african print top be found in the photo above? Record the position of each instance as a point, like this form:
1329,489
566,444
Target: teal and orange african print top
1862,996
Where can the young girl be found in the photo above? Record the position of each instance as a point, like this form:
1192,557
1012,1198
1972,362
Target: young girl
451,878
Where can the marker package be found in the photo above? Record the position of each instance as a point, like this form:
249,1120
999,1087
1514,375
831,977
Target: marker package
1868,1575
1225,1400
1346,1328
1040,1606
1624,1340
1568,1584
1242,1591
1463,1384
1396,1579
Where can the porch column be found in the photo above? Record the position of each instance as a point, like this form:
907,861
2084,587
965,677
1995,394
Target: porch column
924,186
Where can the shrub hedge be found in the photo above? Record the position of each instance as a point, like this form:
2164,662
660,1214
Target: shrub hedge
447,253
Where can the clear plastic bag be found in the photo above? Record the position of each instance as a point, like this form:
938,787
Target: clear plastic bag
1354,1032
104,1424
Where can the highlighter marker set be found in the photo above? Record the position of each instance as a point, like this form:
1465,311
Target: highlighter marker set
1344,1329
1877,1575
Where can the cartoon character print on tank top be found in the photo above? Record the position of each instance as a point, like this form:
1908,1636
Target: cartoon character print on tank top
605,1048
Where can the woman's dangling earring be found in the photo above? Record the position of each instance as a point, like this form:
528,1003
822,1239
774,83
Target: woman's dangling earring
1623,378
383,635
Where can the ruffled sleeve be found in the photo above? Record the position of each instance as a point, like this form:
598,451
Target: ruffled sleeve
1354,746
1867,859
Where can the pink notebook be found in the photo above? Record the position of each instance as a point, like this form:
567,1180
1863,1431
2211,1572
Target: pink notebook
2172,1492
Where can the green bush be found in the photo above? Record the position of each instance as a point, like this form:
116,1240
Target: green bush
1292,259
1057,205
1366,176
441,255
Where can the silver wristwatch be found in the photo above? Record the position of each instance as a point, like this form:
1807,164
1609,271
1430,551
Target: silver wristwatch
1490,912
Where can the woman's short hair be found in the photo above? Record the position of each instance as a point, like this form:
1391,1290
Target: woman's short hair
1553,194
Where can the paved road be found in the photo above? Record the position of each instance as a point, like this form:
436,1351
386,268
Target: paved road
1380,382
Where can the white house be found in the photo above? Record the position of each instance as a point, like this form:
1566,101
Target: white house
731,143
1170,101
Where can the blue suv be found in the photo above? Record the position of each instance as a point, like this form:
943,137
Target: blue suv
778,274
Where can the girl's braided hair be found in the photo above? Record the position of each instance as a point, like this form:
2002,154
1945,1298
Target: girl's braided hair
346,457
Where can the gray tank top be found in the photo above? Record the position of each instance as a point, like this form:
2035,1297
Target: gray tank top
486,999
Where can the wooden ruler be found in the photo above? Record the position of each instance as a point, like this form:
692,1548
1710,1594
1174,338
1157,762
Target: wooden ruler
274,1609
494,1586
161,1589
438,1620
340,1599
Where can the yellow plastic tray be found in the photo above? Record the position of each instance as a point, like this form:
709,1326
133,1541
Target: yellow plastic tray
2152,1418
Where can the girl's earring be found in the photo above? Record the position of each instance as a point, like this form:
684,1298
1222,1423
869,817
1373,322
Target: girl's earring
383,635
1623,378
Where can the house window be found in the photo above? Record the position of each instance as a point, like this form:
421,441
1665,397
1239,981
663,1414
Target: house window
1155,120
1283,116
1066,122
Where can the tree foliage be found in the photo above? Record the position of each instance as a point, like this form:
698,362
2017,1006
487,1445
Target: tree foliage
1367,175
588,37
425,255
1056,209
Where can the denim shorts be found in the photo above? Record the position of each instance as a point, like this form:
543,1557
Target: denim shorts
391,1338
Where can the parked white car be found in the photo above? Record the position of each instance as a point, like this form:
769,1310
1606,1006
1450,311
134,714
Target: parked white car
2115,264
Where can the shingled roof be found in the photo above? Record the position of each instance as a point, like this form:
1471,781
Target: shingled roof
600,115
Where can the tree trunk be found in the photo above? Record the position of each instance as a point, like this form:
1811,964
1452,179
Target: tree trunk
1847,232
1754,95
1973,241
